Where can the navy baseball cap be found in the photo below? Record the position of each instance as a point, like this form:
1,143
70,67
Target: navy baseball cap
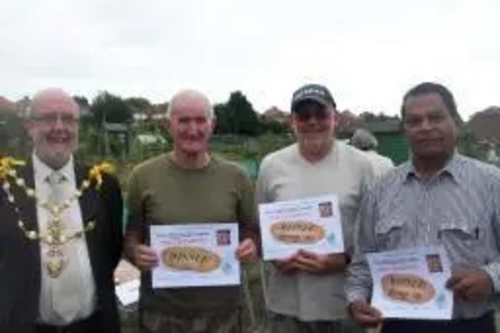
312,92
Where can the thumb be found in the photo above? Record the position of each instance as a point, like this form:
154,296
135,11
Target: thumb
246,244
456,277
366,314
307,254
367,309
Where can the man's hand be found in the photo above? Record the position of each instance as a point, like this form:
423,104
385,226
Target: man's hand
247,251
365,314
317,263
286,266
471,284
144,257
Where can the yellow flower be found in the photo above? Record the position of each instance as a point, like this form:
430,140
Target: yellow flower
97,170
7,164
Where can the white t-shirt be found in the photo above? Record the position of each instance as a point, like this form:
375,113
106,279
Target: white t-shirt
380,164
286,175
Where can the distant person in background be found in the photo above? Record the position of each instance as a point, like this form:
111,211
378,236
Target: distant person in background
367,142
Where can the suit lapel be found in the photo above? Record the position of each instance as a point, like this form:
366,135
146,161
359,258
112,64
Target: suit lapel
88,206
88,202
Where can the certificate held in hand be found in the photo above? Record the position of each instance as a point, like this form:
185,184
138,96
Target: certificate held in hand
311,224
195,255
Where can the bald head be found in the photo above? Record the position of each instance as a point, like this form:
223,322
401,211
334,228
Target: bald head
56,98
190,98
52,123
190,122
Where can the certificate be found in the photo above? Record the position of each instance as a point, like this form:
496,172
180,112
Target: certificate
311,224
410,283
195,255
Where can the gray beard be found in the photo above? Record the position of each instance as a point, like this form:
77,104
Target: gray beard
55,161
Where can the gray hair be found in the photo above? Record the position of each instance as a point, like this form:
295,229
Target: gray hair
189,94
364,140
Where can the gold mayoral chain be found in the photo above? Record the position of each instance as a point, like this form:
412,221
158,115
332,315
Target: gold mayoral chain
55,236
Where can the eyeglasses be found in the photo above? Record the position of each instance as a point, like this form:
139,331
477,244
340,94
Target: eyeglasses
51,119
307,114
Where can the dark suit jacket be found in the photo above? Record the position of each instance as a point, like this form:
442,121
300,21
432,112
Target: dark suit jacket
20,257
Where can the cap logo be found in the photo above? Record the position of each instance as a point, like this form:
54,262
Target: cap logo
310,91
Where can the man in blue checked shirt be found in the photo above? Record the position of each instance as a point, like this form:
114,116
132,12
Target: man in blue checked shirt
439,197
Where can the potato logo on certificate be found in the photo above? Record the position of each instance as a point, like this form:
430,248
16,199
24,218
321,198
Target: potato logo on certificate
408,288
299,232
411,283
190,258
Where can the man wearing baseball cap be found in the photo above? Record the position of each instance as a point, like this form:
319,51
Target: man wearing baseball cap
305,292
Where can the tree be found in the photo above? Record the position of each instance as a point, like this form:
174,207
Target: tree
139,104
111,109
82,101
241,115
224,120
13,137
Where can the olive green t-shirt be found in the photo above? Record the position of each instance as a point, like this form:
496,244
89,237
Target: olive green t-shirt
162,192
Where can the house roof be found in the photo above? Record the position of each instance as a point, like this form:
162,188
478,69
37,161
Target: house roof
484,125
275,114
5,104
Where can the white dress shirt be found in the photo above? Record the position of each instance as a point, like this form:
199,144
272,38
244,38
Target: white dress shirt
70,296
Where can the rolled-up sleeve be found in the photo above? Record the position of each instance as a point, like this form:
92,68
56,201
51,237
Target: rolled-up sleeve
359,282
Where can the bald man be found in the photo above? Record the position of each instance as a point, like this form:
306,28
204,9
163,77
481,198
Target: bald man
188,185
59,243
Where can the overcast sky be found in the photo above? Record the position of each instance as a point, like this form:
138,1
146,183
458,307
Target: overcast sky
368,52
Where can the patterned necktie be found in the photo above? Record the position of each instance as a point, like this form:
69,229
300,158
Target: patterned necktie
65,301
56,182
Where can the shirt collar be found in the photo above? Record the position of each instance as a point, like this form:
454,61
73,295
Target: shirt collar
42,170
452,169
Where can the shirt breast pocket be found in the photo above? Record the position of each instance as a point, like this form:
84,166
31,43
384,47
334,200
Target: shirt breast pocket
464,240
390,233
